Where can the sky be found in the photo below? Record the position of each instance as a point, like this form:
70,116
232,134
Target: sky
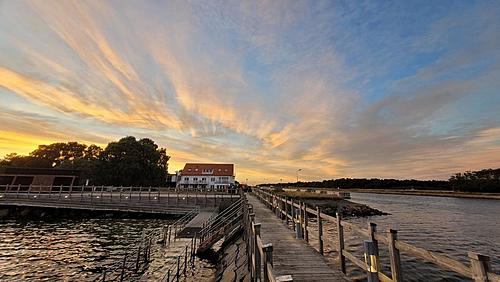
392,89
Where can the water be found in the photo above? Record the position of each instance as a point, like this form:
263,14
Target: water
452,226
68,250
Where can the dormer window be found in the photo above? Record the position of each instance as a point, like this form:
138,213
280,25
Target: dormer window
207,171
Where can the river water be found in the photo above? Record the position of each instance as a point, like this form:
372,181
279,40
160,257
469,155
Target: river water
75,250
452,226
67,250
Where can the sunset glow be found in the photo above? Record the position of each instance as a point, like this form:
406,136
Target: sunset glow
342,89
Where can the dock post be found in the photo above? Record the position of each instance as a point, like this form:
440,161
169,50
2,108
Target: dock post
138,258
122,274
372,229
292,211
397,275
340,243
371,261
480,265
286,211
306,221
298,224
320,230
185,260
104,276
168,275
301,220
268,259
257,253
178,268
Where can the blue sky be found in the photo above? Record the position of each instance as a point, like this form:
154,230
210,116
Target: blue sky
336,88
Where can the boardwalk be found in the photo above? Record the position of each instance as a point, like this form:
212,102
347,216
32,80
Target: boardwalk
292,256
125,199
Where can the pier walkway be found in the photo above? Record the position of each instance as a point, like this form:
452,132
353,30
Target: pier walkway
291,256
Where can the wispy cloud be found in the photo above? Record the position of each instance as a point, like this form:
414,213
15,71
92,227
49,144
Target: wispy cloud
337,89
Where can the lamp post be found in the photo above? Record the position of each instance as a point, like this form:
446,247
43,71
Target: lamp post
298,174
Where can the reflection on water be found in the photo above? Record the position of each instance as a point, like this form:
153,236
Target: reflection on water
71,250
453,226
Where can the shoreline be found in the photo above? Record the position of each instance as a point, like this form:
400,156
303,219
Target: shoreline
440,193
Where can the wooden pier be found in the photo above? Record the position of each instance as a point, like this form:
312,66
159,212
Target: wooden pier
156,200
291,256
298,213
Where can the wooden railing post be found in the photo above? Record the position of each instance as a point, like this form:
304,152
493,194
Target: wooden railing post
371,261
397,275
137,260
301,221
286,210
256,251
177,275
292,211
268,259
372,229
480,266
320,230
298,223
340,243
122,274
306,222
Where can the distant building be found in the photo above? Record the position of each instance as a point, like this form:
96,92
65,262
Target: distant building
38,176
171,179
211,176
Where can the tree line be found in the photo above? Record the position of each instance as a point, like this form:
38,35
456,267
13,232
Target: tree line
485,181
126,162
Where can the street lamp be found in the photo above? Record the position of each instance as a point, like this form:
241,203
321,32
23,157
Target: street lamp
298,174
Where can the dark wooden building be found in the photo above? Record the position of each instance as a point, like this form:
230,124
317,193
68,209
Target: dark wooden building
38,176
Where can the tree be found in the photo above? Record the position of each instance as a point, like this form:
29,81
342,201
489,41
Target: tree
57,153
129,162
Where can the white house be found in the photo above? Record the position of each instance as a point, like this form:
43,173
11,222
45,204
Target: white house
212,176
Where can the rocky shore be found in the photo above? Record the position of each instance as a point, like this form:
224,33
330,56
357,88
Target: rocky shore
331,204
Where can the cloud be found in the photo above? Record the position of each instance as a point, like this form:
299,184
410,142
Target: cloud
336,89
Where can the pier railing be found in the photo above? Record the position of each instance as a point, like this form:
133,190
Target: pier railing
297,213
260,255
221,225
134,199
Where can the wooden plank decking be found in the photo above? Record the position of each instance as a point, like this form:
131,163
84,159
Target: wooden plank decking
292,256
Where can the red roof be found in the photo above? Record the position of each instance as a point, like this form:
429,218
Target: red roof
208,169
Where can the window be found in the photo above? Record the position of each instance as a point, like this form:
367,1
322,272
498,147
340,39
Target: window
195,178
203,178
213,179
186,178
